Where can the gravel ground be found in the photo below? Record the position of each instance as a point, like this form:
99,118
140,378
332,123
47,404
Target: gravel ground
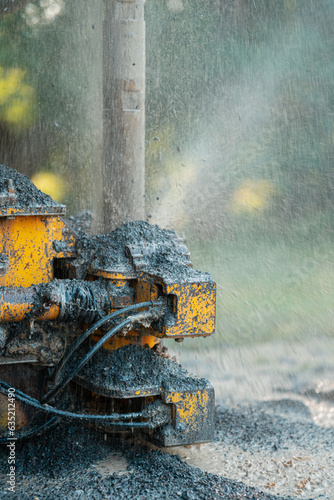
61,466
277,454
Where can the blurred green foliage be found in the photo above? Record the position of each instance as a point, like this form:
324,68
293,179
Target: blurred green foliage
239,93
35,50
274,288
17,103
247,86
52,127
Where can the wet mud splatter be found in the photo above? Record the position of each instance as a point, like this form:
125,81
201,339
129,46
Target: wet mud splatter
160,251
132,368
27,194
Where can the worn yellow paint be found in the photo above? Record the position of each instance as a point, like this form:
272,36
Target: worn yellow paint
26,241
194,307
117,278
113,275
146,290
119,283
27,250
188,406
131,337
146,392
62,233
13,211
13,310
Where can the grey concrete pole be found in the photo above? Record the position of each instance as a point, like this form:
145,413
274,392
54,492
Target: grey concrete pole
124,112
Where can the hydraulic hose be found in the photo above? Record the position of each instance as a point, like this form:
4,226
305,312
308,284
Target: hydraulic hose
93,328
59,386
24,398
34,431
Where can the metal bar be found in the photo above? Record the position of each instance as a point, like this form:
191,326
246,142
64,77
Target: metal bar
124,112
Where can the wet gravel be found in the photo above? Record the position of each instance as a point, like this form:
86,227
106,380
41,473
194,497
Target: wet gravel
133,368
137,247
252,429
59,465
27,194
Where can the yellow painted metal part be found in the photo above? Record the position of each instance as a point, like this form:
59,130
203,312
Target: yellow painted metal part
188,406
16,304
145,290
131,337
147,392
115,276
26,243
194,307
15,211
64,236
27,248
29,243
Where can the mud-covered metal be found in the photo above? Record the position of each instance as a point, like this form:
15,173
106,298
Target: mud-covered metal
136,373
65,300
55,281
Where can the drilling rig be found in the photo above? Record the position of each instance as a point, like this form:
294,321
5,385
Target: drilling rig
82,318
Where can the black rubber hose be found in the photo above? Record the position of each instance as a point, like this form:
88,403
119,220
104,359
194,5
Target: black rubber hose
92,329
35,431
60,385
118,420
24,398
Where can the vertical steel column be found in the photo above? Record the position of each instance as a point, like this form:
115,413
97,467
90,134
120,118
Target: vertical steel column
124,112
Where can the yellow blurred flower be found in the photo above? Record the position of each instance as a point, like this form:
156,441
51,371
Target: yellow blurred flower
18,113
50,184
17,99
9,83
252,196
